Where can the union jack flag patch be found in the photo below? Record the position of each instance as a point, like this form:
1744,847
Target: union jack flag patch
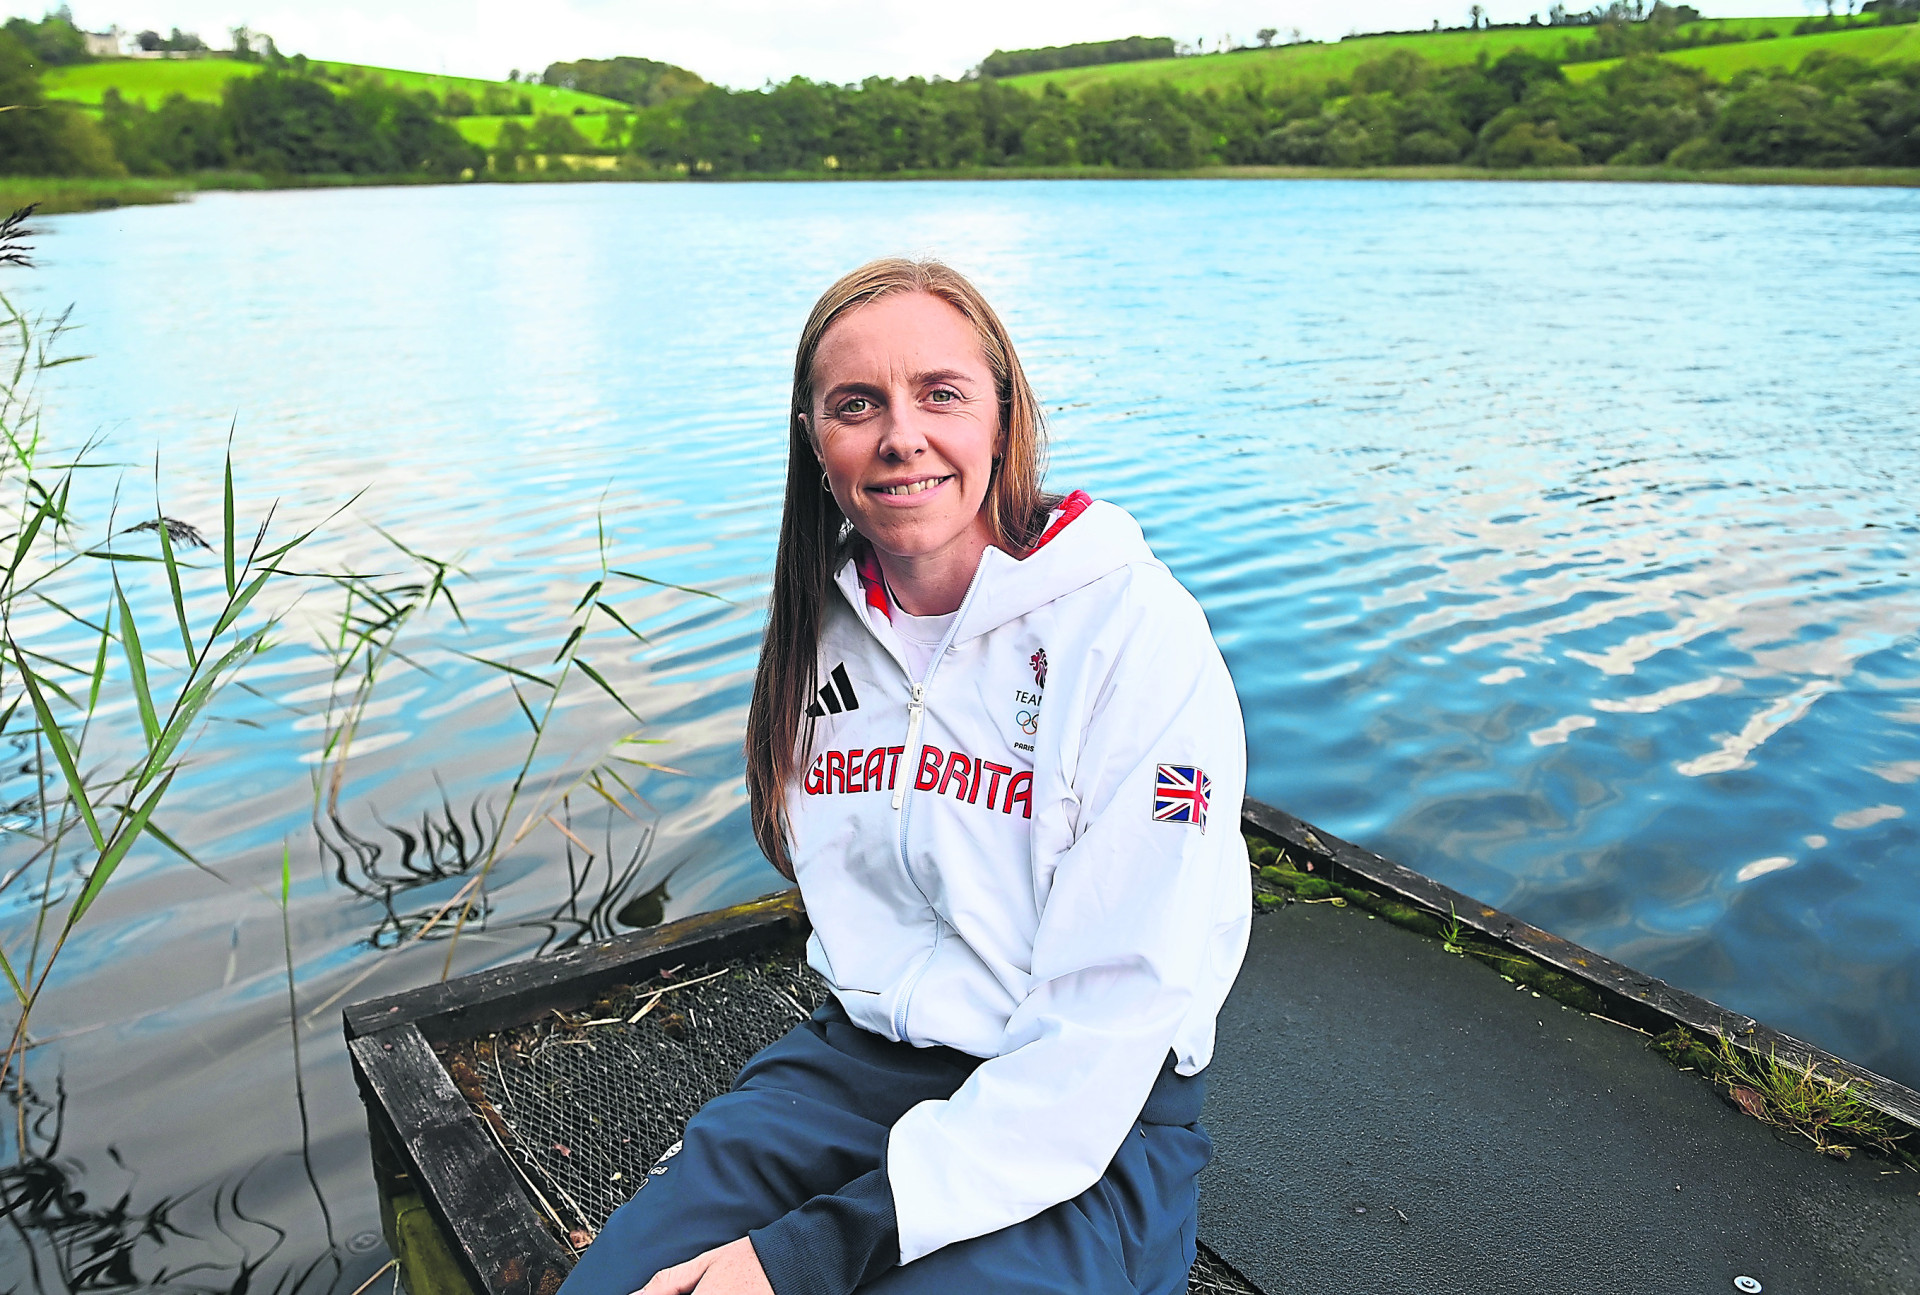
1180,795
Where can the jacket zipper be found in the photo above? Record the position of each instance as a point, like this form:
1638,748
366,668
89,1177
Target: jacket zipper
916,711
916,715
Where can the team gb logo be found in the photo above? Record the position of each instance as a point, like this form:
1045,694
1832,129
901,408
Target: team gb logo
1039,663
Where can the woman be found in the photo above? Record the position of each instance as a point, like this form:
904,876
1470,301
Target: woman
993,741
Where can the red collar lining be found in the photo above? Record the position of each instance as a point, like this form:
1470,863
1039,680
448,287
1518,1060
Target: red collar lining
1071,507
875,583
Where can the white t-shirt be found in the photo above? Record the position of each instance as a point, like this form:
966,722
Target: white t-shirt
921,636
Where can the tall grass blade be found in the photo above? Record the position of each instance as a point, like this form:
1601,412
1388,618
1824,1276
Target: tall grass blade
191,702
76,788
649,764
439,587
110,857
27,537
528,675
607,688
100,661
526,710
137,667
108,555
239,604
593,591
226,518
19,990
572,638
599,789
153,830
274,554
48,681
621,621
685,589
173,586
65,610
286,874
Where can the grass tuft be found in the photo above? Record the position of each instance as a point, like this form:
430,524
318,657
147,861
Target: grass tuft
1279,879
1796,1097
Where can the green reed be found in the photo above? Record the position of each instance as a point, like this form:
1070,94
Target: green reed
98,775
85,811
366,638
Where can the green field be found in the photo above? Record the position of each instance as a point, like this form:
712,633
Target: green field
485,131
1724,62
1300,64
148,81
151,81
546,98
1315,65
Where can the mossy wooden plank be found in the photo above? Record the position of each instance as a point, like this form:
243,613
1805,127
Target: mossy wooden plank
426,1258
503,1244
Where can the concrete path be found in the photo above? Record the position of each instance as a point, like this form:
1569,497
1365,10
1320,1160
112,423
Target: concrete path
1390,1118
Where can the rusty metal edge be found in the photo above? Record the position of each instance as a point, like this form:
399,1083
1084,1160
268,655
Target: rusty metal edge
1642,1000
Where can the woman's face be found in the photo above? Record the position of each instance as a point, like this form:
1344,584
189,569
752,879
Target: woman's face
906,422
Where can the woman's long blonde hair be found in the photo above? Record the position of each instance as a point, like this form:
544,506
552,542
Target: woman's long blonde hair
815,538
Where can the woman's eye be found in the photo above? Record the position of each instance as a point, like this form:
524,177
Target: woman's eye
858,405
943,397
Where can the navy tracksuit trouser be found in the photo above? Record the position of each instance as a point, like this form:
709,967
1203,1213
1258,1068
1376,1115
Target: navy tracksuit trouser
811,1113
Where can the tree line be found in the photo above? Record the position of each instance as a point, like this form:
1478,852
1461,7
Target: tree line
639,81
1515,111
1092,53
281,122
1519,110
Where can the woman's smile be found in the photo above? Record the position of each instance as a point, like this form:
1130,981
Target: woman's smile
903,491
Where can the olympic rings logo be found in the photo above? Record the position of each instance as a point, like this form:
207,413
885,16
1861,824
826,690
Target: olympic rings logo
1029,721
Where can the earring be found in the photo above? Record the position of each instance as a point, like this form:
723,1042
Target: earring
825,484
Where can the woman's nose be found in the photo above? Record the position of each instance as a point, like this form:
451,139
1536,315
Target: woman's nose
901,436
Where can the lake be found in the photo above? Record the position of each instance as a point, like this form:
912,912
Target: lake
1561,539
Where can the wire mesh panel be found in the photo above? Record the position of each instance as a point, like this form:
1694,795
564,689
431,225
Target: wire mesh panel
1213,1275
585,1102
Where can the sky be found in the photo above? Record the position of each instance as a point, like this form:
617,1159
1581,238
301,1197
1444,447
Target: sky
748,42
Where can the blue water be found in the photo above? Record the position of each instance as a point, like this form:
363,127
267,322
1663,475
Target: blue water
1560,539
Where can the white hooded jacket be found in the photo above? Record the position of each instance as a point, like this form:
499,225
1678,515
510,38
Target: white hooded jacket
1032,854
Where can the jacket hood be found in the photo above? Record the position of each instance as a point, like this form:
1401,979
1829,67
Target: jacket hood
1085,540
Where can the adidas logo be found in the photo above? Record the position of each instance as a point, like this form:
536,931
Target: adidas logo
832,702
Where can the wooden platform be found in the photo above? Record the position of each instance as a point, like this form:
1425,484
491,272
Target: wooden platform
1330,1058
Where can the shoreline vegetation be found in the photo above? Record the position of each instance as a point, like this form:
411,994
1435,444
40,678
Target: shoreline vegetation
65,195
1622,92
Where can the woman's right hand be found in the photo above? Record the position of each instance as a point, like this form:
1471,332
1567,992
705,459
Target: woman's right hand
731,1269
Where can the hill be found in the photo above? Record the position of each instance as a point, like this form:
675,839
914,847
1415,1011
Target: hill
1764,42
1893,45
153,81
